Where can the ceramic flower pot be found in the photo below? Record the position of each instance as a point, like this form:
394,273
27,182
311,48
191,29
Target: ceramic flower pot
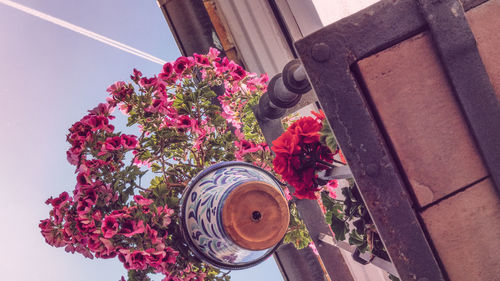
233,215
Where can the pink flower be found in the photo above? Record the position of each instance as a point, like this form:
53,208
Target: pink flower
129,141
148,82
171,255
213,53
136,76
155,257
116,87
238,73
131,227
83,208
111,144
313,248
124,257
287,194
63,197
244,147
142,201
73,155
201,60
223,66
85,225
181,64
82,179
103,109
90,195
125,109
167,69
138,260
109,227
94,244
184,121
330,187
99,123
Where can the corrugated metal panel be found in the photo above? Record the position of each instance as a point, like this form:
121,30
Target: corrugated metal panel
257,35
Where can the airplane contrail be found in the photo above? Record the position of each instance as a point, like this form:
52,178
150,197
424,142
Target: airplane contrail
83,31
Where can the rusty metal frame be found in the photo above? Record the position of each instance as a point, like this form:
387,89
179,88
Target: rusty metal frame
330,55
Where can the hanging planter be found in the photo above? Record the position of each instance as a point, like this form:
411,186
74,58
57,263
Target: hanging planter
233,215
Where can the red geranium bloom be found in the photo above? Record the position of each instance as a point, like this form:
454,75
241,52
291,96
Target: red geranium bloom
297,153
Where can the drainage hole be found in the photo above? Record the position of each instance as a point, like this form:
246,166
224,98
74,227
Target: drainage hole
256,216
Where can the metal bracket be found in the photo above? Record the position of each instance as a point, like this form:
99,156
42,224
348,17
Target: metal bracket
336,173
367,257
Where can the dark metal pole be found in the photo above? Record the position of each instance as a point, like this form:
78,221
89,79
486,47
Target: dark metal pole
191,26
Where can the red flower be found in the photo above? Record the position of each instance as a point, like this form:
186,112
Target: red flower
307,128
297,153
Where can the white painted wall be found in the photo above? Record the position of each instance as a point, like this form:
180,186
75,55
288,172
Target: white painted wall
257,35
330,11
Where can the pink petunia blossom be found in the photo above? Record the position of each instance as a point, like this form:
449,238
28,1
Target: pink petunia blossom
313,248
330,187
128,141
109,227
136,75
130,227
181,64
142,201
138,260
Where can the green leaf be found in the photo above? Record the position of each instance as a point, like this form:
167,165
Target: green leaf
339,228
393,278
355,238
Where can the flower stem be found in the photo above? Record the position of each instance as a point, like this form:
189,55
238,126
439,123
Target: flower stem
329,164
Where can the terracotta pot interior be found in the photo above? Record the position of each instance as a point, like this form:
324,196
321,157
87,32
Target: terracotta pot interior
255,216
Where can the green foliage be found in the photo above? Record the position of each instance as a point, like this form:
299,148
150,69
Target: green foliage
349,218
393,278
327,137
297,232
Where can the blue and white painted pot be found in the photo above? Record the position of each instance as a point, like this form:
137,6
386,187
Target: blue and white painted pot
233,215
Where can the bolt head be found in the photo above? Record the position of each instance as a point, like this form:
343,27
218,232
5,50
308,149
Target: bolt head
320,52
372,170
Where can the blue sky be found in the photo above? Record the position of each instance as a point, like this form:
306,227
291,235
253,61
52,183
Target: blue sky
49,78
